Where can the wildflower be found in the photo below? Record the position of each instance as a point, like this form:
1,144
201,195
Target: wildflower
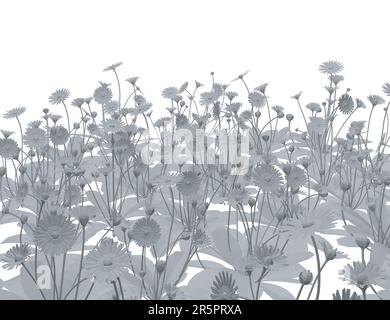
59,96
7,133
262,88
296,177
306,224
270,257
360,104
345,295
189,183
231,95
256,99
224,287
375,100
35,138
313,107
162,122
102,94
59,135
108,261
346,104
55,234
111,107
166,180
386,89
362,275
207,98
132,80
170,93
14,113
16,256
113,66
8,148
78,102
331,67
200,239
267,178
112,126
356,127
146,232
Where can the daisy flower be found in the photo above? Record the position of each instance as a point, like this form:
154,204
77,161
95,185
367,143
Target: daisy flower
170,93
270,257
267,178
146,232
102,94
16,256
346,104
306,224
78,102
345,295
113,66
331,67
224,287
256,99
111,107
112,126
8,148
7,133
55,235
189,183
35,138
386,89
59,135
108,261
362,275
375,100
59,96
296,177
166,180
14,113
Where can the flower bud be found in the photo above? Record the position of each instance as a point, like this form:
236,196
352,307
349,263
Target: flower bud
23,219
252,202
362,242
305,277
160,266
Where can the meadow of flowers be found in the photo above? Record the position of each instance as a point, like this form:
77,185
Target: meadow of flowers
94,221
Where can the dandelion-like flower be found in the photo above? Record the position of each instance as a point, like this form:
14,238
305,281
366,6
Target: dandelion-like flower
362,275
78,102
8,148
296,177
55,234
111,107
189,183
59,135
270,257
59,96
112,126
345,294
113,66
386,89
256,99
14,113
331,67
267,178
346,104
170,93
224,287
102,94
35,138
146,232
375,100
307,223
15,256
108,261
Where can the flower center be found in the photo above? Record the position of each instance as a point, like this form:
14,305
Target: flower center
107,262
307,224
55,235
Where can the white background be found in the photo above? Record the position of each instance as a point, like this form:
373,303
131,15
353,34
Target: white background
47,45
